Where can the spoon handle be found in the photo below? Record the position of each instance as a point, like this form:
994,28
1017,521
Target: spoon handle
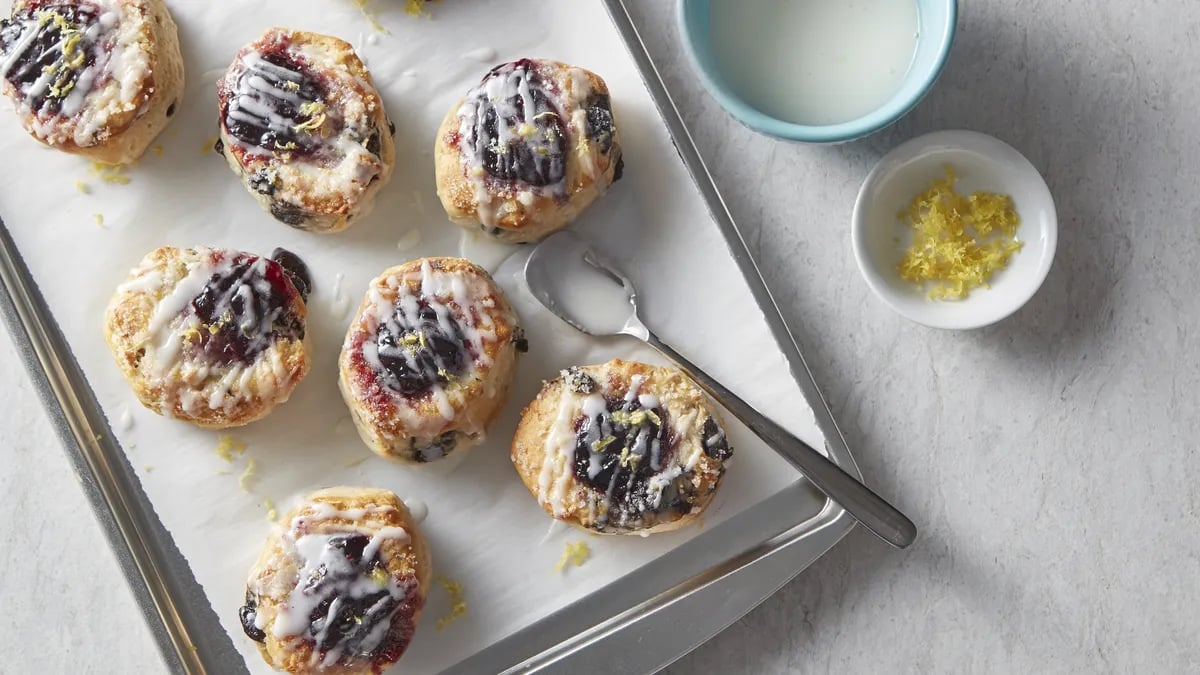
868,508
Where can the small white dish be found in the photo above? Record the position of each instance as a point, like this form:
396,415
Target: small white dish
980,163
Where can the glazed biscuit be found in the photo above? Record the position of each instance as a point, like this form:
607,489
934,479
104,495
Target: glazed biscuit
340,585
621,448
429,358
304,127
527,150
98,78
211,336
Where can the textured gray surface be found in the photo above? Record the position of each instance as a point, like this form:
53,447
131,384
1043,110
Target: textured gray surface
1048,459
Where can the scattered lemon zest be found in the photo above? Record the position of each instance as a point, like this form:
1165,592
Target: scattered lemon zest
99,218
600,444
417,7
272,514
369,14
291,85
158,150
228,446
575,553
147,468
110,173
83,187
458,605
379,576
247,474
312,124
209,144
959,241
191,334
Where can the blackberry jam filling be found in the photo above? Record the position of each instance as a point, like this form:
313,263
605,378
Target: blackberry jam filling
600,121
519,135
248,614
46,47
618,451
295,269
715,443
348,616
244,309
417,353
277,104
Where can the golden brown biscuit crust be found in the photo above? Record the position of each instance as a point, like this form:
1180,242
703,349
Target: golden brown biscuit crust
422,425
544,449
511,210
334,511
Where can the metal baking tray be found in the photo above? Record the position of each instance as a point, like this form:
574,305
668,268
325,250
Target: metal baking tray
629,630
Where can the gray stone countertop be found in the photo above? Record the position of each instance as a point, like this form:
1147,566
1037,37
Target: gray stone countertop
1050,461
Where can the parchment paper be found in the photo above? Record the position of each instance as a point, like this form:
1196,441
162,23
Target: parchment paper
486,531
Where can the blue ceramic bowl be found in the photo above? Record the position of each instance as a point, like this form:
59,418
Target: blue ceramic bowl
936,25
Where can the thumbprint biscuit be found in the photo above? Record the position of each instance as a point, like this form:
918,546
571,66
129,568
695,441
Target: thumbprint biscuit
621,448
211,336
99,78
527,150
304,127
429,358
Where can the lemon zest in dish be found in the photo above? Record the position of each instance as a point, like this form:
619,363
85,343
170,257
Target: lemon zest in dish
110,173
228,446
458,605
959,241
576,553
247,474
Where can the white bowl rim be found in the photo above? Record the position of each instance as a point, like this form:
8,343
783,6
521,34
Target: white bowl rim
996,151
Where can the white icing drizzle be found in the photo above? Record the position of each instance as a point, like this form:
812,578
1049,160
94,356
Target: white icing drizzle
418,509
515,125
409,240
482,54
327,574
71,99
321,149
451,296
557,479
179,372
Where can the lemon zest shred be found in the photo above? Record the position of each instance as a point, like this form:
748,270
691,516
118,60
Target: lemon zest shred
209,144
272,514
575,553
959,241
312,124
99,218
458,604
247,474
110,173
369,15
228,446
83,187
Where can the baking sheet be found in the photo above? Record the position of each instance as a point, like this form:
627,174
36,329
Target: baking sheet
485,530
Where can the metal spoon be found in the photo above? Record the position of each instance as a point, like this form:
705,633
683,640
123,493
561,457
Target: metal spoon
565,274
